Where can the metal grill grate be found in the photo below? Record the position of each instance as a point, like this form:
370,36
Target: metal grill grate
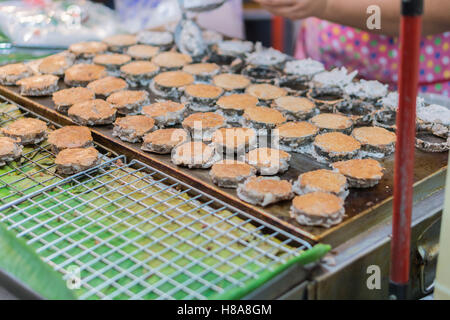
35,169
136,233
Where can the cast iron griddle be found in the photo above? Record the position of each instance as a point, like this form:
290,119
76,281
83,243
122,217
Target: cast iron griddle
363,207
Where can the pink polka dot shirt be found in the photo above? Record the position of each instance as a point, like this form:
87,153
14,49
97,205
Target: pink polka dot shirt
374,56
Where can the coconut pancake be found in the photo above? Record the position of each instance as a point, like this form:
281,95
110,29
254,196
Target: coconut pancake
142,51
231,82
104,87
173,79
237,102
264,191
165,113
64,99
263,117
202,70
74,160
375,138
81,74
332,122
321,180
336,145
318,209
11,73
162,141
133,128
92,112
86,50
118,42
265,92
203,91
201,125
229,173
234,139
70,137
139,72
26,130
171,60
10,150
268,161
129,101
360,173
295,107
56,64
40,85
194,154
112,59
295,134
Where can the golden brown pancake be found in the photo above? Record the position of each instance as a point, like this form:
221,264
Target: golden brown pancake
119,41
92,112
205,91
231,169
142,51
336,145
295,107
171,60
199,69
55,64
173,79
27,130
265,91
318,204
237,101
68,97
361,173
229,173
106,86
111,59
162,141
374,136
133,128
87,49
264,116
10,150
11,73
40,85
81,74
234,139
128,101
204,120
139,67
230,82
70,137
297,129
194,154
321,180
268,161
332,122
73,160
264,191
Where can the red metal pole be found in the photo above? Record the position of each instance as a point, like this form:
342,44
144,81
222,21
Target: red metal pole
410,34
278,33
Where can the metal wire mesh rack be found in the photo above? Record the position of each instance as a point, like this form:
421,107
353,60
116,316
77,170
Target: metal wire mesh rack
36,167
133,232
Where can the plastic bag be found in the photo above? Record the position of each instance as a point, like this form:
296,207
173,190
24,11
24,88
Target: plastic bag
137,15
55,24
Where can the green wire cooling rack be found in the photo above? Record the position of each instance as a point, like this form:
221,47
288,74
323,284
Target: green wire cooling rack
128,231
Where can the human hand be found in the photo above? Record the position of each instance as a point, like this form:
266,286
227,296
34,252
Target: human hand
294,9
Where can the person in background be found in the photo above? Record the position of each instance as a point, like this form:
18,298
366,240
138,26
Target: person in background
336,33
219,19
